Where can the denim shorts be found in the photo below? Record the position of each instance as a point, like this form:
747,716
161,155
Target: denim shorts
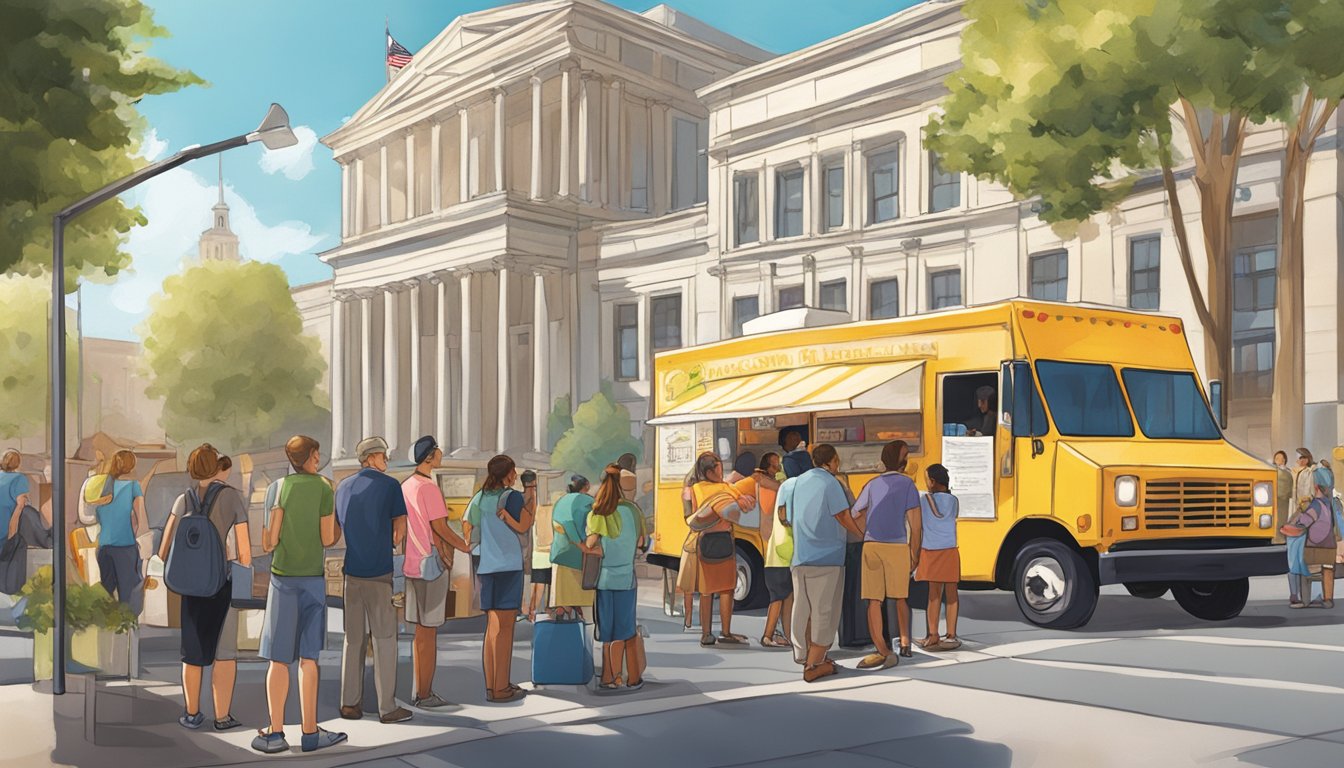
502,591
295,626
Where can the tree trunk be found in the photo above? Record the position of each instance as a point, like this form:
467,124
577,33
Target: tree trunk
1287,425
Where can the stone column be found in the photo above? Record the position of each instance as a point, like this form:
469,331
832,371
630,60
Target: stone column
854,202
858,298
366,366
541,363
338,375
500,140
441,378
658,194
585,140
464,161
815,203
615,148
384,196
410,174
809,280
503,378
413,388
471,407
565,128
435,167
359,196
535,191
347,196
391,363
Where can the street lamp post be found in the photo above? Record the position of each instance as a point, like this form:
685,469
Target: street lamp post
274,133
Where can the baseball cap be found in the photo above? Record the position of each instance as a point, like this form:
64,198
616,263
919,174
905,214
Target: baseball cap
369,446
423,449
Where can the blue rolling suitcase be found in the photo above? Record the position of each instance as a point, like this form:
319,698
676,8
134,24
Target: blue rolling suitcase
561,653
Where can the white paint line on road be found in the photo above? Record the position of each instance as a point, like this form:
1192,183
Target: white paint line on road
1247,642
1028,647
1163,674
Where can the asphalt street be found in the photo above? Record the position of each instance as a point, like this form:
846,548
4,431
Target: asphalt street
1142,684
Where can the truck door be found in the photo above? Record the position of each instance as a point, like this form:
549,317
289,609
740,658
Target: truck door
1032,459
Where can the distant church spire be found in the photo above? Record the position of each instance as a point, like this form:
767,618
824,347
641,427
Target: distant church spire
218,242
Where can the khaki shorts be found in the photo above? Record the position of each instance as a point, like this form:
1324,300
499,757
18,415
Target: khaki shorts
227,649
427,601
886,571
818,591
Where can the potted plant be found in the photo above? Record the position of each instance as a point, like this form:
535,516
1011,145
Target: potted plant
99,626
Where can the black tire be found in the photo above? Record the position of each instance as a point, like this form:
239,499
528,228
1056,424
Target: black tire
1148,590
1054,586
750,592
1212,600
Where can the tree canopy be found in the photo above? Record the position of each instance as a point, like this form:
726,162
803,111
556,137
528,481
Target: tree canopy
600,435
23,350
71,73
226,352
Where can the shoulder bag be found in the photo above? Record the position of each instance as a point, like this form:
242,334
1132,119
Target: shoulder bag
713,546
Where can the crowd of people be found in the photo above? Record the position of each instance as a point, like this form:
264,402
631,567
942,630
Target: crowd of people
1311,524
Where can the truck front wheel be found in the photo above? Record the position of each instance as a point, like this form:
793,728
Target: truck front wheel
1212,600
750,592
1148,590
1054,586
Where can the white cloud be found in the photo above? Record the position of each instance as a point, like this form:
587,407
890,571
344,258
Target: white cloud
177,206
296,161
152,147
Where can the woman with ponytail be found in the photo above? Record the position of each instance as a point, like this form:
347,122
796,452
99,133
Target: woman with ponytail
616,529
120,521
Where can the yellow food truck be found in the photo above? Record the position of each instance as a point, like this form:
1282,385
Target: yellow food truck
1106,465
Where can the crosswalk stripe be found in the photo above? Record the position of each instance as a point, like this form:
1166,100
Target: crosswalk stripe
1164,674
1248,642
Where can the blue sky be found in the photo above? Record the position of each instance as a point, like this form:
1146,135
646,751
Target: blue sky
322,60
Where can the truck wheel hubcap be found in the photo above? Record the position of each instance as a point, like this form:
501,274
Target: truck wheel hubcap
1043,584
743,585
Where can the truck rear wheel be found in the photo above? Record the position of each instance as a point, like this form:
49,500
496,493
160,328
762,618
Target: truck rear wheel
1148,590
1212,600
750,592
1054,586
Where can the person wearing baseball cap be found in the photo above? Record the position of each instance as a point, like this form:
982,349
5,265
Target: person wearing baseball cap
372,511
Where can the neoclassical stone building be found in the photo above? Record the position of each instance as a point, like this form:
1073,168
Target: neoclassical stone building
466,279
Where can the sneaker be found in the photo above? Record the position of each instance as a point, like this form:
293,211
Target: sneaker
191,721
270,743
322,739
432,701
398,715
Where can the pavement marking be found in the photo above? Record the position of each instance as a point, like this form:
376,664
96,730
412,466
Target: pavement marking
1029,647
421,760
1247,642
1163,674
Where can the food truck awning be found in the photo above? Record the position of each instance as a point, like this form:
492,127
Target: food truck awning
884,386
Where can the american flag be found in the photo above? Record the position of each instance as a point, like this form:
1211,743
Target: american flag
397,55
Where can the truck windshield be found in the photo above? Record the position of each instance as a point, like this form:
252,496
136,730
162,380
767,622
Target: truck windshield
1085,399
1168,405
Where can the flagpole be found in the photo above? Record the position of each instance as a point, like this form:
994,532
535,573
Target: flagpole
387,47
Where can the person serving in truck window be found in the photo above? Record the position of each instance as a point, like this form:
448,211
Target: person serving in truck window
986,423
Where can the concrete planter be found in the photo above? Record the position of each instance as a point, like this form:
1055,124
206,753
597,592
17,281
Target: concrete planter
92,649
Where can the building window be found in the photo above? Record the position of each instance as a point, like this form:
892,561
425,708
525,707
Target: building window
835,295
1049,276
834,212
884,186
884,299
746,209
789,203
1254,282
627,342
945,289
690,163
1145,278
745,309
666,322
944,186
791,297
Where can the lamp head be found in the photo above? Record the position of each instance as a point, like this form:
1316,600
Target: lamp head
274,131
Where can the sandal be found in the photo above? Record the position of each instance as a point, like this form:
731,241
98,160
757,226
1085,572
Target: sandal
772,643
635,686
706,640
1326,604
514,695
949,643
1297,604
732,639
927,643
906,652
614,685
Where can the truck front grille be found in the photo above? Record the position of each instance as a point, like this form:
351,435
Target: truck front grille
1190,504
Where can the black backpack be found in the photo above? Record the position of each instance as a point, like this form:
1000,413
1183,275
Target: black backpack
196,565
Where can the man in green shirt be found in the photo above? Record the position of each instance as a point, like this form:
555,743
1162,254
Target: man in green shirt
301,524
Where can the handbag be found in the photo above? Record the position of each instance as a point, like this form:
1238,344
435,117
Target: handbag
717,546
592,569
1292,531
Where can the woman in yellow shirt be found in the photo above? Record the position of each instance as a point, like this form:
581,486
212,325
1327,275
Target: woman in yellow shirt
714,515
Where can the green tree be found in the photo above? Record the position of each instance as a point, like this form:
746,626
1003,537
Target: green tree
226,352
601,433
71,72
23,352
559,421
1071,101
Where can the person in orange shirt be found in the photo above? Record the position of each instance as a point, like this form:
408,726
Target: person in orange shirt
716,515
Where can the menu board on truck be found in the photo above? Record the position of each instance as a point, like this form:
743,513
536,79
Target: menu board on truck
676,447
970,466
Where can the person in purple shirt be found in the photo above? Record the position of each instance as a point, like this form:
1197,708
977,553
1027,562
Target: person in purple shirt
891,502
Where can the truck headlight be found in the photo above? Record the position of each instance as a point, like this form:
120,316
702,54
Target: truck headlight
1263,494
1126,491
1129,523
1266,520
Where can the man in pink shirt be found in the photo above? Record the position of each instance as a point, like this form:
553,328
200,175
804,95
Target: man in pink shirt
429,563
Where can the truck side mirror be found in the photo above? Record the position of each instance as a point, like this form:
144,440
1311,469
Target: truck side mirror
1218,403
